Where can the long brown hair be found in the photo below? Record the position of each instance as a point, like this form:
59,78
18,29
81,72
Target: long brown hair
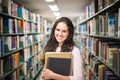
68,44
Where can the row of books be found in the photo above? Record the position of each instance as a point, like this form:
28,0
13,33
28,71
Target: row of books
8,44
9,25
103,73
99,35
47,27
12,43
103,48
13,9
96,70
97,5
21,41
20,73
106,51
29,56
105,25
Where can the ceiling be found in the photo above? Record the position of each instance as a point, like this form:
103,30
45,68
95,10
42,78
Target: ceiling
68,8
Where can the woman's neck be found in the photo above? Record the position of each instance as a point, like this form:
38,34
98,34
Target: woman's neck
60,44
58,49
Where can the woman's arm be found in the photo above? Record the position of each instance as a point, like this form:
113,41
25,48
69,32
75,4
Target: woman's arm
48,74
77,69
77,65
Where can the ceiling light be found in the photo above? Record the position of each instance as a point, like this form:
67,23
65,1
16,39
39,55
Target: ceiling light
49,0
57,17
56,13
53,7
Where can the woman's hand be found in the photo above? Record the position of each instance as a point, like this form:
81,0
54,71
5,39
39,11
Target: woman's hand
47,74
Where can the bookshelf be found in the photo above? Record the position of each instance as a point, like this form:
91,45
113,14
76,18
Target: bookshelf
21,42
99,40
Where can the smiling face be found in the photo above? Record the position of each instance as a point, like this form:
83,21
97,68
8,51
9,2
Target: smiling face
61,33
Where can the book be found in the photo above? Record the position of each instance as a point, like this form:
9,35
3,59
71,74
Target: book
100,5
100,71
6,6
7,44
0,5
111,24
108,2
59,65
20,30
1,46
1,68
119,22
101,24
110,76
8,26
96,68
14,9
21,72
114,61
112,48
1,25
17,54
21,56
20,11
94,6
89,74
118,62
59,62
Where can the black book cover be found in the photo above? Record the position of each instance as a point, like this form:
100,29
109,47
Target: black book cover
60,65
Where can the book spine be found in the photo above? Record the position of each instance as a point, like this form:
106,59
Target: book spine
111,24
1,25
119,22
6,6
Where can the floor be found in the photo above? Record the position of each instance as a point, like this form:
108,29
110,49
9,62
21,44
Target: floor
39,76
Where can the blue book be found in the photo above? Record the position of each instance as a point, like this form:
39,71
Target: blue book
1,46
111,24
8,26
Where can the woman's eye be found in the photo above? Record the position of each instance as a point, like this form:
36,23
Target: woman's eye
57,30
64,31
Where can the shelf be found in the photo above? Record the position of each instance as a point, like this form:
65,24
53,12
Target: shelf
20,43
12,34
106,9
106,37
107,66
9,16
38,73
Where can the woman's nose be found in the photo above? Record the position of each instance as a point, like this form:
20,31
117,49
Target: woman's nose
60,33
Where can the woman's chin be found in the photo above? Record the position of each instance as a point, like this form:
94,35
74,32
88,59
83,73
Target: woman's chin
60,41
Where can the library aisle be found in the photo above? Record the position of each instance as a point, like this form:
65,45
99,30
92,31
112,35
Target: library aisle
38,77
25,27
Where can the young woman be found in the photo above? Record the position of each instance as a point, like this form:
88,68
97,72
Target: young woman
61,40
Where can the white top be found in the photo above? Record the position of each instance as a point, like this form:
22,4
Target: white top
77,64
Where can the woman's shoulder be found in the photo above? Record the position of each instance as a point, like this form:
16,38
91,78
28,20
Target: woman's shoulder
76,49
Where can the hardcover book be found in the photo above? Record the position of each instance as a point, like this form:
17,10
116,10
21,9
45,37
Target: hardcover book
6,6
59,65
59,62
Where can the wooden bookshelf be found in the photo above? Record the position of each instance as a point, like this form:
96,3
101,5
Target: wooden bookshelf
21,42
99,40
